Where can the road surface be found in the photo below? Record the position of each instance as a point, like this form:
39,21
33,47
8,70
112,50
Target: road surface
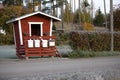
34,69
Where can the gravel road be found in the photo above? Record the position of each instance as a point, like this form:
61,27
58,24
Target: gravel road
100,68
9,52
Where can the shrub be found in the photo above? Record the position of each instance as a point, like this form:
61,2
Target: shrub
88,26
94,41
6,39
79,54
62,38
117,41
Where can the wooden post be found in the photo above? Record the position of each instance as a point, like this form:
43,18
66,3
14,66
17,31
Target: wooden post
26,58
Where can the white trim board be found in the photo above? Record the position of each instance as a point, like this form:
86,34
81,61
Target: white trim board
20,32
41,23
51,25
31,14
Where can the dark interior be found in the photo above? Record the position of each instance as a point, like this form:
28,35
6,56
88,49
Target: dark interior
35,29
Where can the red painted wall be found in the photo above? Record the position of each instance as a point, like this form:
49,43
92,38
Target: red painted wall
36,18
25,26
16,31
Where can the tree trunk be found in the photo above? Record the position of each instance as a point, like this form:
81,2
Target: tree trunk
62,16
105,14
74,6
71,5
53,5
92,11
57,9
79,3
40,5
33,6
111,25
84,12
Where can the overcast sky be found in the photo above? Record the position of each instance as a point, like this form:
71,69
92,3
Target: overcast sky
99,3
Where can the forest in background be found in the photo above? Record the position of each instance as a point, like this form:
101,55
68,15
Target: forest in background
80,19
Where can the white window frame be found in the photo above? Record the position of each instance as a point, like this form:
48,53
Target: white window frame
41,27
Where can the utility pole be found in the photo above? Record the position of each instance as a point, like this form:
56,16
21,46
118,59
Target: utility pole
111,25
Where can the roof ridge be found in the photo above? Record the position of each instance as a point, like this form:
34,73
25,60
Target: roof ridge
31,14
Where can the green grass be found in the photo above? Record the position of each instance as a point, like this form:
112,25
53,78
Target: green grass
82,54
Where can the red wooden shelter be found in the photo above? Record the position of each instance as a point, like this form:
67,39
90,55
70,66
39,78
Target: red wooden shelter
33,35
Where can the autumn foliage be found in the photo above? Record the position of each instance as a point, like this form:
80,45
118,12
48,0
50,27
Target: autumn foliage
88,26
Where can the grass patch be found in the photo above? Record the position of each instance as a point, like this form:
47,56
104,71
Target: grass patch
82,54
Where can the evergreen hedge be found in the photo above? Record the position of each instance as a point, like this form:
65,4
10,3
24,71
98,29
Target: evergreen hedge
94,41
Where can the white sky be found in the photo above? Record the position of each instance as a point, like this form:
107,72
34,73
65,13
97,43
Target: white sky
99,3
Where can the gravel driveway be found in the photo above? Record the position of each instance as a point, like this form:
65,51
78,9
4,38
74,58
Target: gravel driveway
102,68
9,52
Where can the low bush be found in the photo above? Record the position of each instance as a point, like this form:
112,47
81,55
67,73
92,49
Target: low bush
62,38
76,54
82,54
94,41
6,39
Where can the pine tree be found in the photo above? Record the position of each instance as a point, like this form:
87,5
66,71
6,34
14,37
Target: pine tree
99,18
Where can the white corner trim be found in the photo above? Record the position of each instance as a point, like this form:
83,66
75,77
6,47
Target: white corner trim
20,32
41,23
51,25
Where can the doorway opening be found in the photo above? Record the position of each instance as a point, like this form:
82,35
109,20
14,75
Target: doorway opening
35,29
